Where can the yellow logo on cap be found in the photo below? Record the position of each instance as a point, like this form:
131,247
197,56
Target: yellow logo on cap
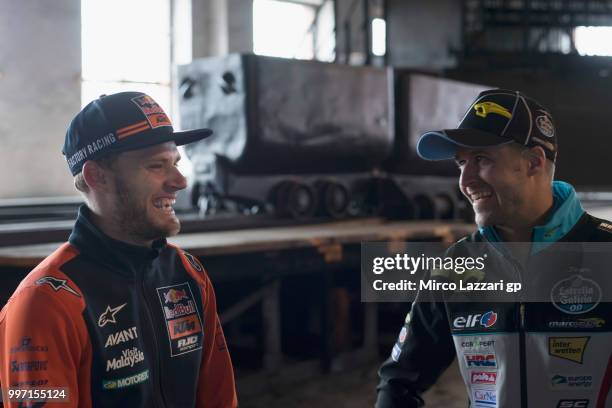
484,108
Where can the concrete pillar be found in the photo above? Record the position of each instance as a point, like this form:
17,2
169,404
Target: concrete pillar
40,92
221,26
209,27
422,34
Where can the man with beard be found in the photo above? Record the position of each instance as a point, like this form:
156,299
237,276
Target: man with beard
117,316
537,353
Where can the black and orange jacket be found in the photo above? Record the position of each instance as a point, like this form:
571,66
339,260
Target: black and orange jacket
117,325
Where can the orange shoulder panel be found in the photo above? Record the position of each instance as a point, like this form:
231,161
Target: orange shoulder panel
43,338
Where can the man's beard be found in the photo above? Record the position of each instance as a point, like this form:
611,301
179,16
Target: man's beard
131,217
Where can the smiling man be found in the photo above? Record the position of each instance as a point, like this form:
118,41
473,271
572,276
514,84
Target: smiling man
513,354
117,316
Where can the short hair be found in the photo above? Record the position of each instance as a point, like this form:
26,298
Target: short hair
108,162
549,165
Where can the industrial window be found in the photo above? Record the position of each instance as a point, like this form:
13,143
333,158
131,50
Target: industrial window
301,29
379,37
593,40
126,46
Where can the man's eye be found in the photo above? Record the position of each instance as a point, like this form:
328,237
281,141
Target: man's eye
155,166
481,159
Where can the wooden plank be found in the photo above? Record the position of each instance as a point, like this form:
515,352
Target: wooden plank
273,239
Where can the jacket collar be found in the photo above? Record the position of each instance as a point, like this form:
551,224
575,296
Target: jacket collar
96,245
566,212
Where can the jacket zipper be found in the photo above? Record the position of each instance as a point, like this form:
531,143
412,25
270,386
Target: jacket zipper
523,357
159,399
522,346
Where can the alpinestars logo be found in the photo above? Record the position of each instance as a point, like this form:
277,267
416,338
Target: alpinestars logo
109,315
57,284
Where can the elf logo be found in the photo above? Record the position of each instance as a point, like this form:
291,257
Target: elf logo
486,320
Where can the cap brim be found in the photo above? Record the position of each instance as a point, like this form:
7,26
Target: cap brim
190,136
443,144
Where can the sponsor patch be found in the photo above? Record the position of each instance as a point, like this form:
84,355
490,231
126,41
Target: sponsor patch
484,398
576,295
128,358
483,378
27,346
477,360
573,403
568,348
483,109
183,322
154,113
395,353
193,261
402,335
34,365
544,124
571,382
605,226
108,316
475,321
30,383
121,337
184,326
578,323
477,344
57,284
126,381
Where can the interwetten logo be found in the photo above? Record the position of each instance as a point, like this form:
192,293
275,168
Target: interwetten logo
568,348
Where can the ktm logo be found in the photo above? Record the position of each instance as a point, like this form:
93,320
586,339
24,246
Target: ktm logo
484,108
182,327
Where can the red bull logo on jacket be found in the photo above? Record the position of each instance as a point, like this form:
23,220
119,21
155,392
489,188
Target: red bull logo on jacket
175,296
183,322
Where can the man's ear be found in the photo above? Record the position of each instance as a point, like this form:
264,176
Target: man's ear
537,159
96,176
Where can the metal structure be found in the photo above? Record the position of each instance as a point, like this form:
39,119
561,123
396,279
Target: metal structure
305,139
528,26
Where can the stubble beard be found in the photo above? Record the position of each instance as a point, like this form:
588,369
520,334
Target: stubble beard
132,217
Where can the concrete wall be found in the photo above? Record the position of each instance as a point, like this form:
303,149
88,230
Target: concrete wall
40,91
421,34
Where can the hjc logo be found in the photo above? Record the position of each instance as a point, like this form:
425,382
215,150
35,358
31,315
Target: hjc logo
188,341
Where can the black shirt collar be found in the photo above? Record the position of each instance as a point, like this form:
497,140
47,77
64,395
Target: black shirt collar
93,243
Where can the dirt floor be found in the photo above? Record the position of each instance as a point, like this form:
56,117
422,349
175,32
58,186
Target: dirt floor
354,389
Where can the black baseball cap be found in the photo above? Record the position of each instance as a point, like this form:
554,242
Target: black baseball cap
496,117
120,122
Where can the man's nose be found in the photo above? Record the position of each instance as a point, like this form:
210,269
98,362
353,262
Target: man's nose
177,181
